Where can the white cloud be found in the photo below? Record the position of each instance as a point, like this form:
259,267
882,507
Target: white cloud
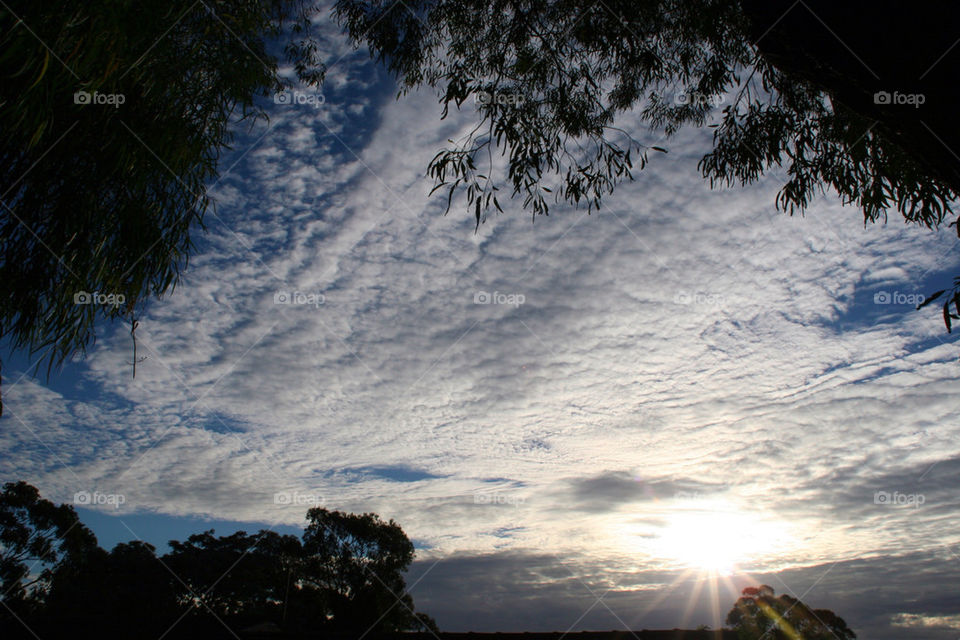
680,337
918,621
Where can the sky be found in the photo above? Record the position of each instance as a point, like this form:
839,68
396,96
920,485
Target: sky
604,421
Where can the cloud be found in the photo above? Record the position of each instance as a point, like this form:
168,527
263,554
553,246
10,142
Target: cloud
681,350
917,621
613,489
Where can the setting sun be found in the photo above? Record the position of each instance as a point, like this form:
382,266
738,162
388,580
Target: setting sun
717,539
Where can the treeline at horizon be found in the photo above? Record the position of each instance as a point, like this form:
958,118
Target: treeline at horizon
344,575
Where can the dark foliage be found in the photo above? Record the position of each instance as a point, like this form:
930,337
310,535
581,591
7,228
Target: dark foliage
761,614
345,576
113,116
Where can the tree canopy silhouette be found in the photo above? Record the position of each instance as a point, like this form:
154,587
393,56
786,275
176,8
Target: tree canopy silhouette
761,614
112,592
358,561
550,78
114,115
38,542
244,578
344,575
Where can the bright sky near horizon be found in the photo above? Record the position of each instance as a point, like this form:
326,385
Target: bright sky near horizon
577,420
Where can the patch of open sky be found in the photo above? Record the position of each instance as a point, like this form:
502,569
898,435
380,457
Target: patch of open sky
394,473
419,544
887,302
159,529
223,423
68,379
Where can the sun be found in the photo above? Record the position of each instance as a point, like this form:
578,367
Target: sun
715,539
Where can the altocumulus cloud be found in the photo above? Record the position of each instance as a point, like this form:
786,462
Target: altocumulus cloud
680,345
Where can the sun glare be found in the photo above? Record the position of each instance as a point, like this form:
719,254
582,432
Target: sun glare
716,540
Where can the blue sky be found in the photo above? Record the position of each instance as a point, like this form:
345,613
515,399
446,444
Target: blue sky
685,369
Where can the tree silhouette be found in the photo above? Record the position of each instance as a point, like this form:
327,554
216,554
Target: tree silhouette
114,116
242,578
127,588
758,613
38,541
358,561
344,576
